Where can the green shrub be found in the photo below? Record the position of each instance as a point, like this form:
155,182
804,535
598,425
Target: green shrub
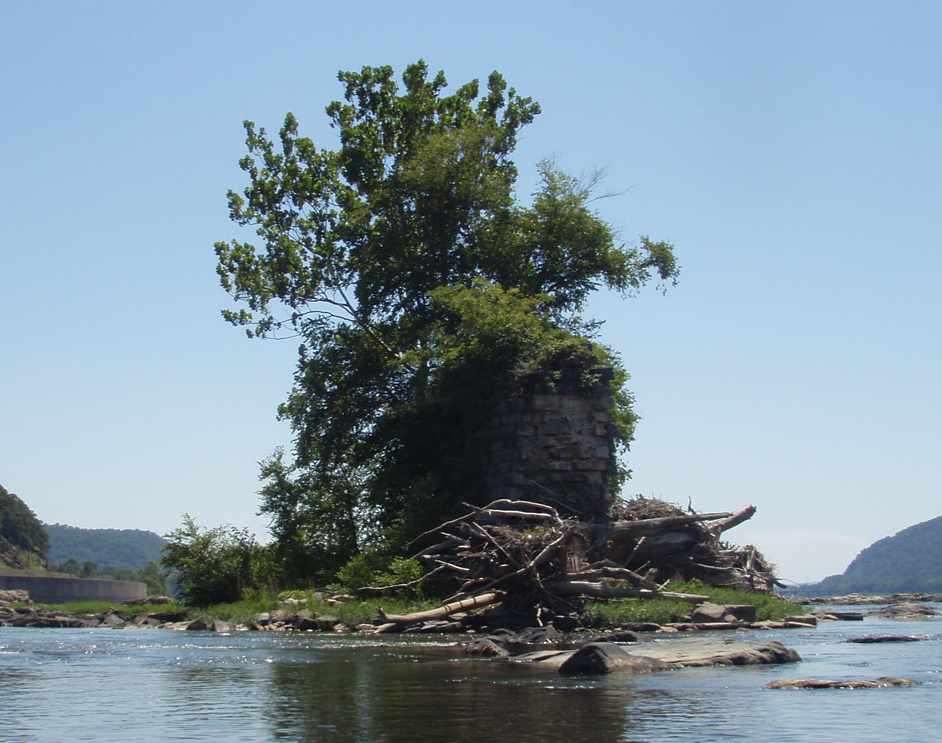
374,569
360,571
211,566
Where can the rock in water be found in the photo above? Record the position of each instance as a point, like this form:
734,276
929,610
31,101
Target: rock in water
885,638
699,655
604,657
879,683
619,636
484,647
905,612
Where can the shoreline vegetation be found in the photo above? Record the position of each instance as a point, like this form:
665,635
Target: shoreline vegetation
316,611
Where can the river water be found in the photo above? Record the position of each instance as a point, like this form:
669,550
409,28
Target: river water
159,685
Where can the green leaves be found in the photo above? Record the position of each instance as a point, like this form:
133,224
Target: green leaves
211,565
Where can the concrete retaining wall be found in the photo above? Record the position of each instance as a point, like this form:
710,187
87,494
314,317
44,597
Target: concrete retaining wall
58,590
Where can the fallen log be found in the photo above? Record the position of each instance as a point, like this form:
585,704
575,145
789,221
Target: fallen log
600,590
484,599
606,571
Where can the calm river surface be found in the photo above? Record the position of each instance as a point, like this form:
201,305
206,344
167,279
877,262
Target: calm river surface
156,685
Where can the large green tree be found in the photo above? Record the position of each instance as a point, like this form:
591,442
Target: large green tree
422,289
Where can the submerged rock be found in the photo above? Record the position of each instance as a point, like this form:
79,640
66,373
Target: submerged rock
484,647
905,612
621,636
513,643
885,638
878,683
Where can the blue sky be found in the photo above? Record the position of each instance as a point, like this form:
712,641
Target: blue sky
790,152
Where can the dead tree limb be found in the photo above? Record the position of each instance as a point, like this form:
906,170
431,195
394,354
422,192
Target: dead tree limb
732,520
644,527
601,590
484,599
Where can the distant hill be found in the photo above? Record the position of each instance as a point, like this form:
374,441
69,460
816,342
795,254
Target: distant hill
120,549
908,561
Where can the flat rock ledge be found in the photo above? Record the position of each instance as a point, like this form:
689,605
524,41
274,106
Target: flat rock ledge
884,682
910,611
866,598
603,657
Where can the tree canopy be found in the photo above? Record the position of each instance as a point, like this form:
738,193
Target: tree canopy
422,289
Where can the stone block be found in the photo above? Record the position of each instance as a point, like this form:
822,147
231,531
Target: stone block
544,402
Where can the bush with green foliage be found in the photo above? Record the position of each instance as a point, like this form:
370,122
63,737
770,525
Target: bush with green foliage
374,569
211,566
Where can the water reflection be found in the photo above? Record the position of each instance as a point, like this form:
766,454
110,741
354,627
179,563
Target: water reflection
383,699
88,685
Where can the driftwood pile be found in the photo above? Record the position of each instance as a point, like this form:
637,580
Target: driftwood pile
535,562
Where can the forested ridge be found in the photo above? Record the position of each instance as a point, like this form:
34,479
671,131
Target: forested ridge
910,560
109,549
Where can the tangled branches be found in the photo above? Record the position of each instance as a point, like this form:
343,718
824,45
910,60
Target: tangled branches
524,555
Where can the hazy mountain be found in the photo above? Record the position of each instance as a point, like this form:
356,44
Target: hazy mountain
122,549
908,561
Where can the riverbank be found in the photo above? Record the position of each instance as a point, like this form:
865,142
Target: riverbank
298,611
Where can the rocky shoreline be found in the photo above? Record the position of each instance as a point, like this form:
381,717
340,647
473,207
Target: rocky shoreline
863,599
620,649
17,611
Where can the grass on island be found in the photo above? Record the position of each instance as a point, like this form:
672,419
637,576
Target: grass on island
350,613
364,611
100,607
661,611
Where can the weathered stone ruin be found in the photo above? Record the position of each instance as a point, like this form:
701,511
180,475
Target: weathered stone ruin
556,446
